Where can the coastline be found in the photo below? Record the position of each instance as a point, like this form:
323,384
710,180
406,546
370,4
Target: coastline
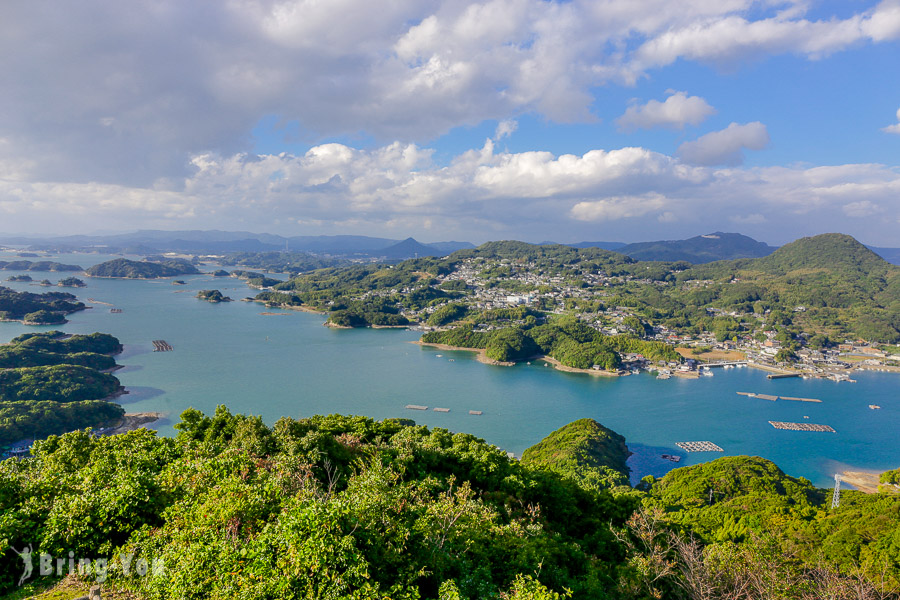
132,421
481,353
561,367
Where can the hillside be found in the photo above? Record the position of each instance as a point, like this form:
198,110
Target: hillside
585,451
699,249
132,269
408,248
42,265
24,306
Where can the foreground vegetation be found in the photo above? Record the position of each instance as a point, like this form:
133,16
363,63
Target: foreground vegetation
348,507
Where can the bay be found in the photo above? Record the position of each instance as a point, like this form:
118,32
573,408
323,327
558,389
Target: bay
288,364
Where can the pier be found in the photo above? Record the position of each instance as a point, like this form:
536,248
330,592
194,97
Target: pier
774,398
801,426
699,447
782,375
162,346
799,399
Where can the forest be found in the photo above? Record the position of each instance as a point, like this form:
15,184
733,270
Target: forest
349,507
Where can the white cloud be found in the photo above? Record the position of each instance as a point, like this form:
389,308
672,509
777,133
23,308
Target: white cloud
678,110
620,207
397,190
505,128
895,128
725,146
862,208
127,92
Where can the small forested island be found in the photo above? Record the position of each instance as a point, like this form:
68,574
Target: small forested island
220,273
350,507
255,280
214,296
45,283
19,278
51,383
46,308
71,282
42,265
133,269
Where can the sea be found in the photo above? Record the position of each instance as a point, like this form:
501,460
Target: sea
276,363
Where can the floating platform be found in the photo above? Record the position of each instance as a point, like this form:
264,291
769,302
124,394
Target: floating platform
799,399
699,447
765,397
416,407
801,426
115,310
782,375
671,457
441,410
475,412
162,346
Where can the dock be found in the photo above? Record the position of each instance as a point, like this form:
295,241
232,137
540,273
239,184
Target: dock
416,407
782,375
162,346
801,426
475,412
774,398
799,399
766,397
444,410
699,447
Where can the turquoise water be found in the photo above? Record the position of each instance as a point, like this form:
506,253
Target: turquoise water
291,365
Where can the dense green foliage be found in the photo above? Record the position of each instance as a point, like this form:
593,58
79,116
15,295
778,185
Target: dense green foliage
51,383
60,383
447,314
584,451
39,265
567,340
213,296
19,278
132,269
16,305
327,507
37,419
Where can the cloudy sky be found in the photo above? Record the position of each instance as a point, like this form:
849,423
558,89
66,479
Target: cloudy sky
619,120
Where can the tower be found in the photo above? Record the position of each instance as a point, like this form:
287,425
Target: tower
836,498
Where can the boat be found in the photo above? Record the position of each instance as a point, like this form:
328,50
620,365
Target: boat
663,376
874,406
635,371
707,373
671,457
439,355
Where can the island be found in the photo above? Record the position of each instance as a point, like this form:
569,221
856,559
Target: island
45,283
220,273
19,278
71,282
37,309
132,269
41,265
214,296
51,383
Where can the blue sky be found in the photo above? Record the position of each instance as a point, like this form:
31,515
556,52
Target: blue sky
450,119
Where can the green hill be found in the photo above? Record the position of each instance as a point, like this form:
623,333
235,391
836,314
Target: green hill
584,450
132,269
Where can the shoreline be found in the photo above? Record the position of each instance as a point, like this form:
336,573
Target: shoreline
561,367
481,353
132,421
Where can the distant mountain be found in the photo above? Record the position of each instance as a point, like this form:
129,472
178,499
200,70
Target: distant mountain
699,249
892,255
408,248
450,247
602,245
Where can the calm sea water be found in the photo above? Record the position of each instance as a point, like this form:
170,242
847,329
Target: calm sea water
290,365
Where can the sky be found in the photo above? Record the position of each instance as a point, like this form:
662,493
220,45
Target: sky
601,120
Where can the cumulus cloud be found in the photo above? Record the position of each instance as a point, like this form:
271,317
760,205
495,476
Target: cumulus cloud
895,128
675,112
127,92
398,190
725,147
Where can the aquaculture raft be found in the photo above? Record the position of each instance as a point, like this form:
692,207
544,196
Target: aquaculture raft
801,426
162,346
699,447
